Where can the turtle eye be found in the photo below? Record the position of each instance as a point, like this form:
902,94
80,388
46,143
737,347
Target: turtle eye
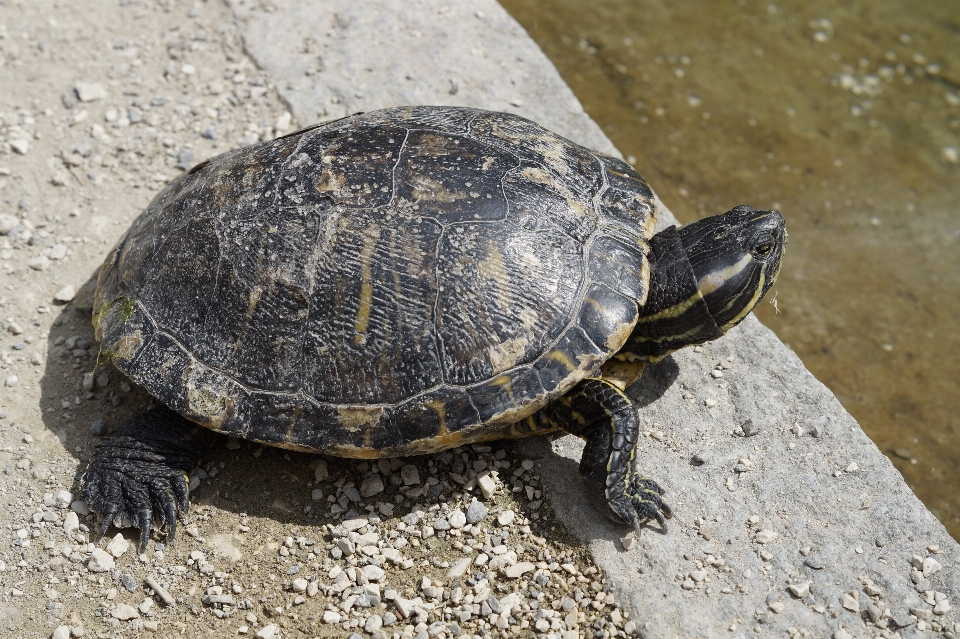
763,250
762,246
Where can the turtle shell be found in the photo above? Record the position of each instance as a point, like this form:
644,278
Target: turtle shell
389,283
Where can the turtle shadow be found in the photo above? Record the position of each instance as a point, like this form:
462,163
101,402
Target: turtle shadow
259,481
559,462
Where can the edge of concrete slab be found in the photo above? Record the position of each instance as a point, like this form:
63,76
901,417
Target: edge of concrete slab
794,522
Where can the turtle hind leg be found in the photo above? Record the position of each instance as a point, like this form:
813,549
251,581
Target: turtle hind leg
598,412
139,472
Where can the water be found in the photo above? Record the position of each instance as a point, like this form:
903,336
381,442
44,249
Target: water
846,119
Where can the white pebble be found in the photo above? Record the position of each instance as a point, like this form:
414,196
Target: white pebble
766,536
457,519
66,294
118,545
506,518
487,486
931,567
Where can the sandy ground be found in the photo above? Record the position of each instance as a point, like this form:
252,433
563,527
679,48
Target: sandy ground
102,103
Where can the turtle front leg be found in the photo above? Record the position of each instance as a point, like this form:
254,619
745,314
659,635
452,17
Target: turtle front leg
139,471
602,415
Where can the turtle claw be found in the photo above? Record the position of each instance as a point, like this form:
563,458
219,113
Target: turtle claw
139,472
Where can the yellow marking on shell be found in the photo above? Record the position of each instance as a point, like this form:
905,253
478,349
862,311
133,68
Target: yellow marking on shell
353,418
212,407
619,336
493,272
333,184
645,277
560,356
288,438
255,294
715,279
758,291
370,237
674,311
127,346
505,355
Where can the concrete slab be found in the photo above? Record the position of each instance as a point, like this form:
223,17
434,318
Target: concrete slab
794,522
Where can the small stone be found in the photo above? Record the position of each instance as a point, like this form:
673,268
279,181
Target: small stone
459,568
20,145
374,573
800,590
320,472
87,382
118,545
316,494
331,616
65,294
842,634
942,607
931,567
100,561
123,612
347,547
90,91
777,606
98,427
852,468
38,263
62,499
7,223
11,380
267,632
922,613
703,456
873,590
874,613
815,562
62,632
42,471
371,486
476,511
850,602
523,567
80,507
57,252
300,585
410,475
487,486
766,536
505,518
374,623
749,428
457,519
404,607
688,584
353,525
128,582
628,542
71,524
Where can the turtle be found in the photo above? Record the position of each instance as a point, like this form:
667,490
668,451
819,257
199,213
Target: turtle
401,282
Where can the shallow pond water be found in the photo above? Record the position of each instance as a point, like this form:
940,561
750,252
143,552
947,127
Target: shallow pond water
845,117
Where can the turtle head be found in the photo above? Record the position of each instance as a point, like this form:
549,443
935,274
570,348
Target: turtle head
705,278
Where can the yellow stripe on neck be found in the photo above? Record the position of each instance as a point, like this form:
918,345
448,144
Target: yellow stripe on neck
715,279
757,292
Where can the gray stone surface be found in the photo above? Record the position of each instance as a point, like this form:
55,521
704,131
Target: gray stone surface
807,498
